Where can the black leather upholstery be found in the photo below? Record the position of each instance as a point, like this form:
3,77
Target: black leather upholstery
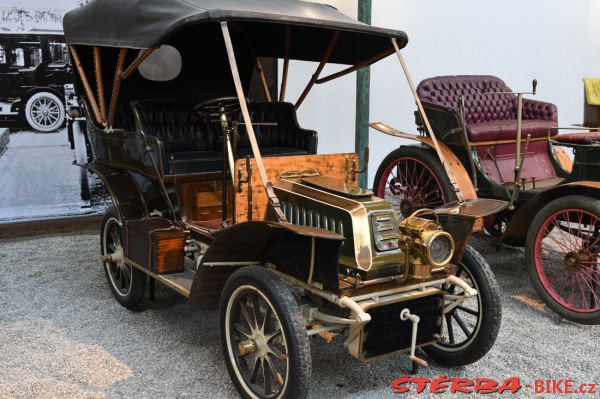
195,142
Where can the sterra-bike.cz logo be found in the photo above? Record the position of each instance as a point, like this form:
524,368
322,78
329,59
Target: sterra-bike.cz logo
444,384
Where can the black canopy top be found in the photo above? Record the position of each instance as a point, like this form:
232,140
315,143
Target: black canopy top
143,24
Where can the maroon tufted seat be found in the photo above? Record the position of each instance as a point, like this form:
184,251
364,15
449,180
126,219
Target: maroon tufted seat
488,117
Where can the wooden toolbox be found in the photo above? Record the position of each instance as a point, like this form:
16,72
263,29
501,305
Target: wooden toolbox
156,245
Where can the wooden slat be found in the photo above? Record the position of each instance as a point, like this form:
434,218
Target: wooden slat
100,83
332,165
86,85
315,77
140,58
263,79
116,86
356,67
286,62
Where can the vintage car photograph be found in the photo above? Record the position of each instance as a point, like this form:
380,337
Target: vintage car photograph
34,68
274,199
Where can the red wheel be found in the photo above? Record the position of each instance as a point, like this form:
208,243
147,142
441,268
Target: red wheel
411,178
564,258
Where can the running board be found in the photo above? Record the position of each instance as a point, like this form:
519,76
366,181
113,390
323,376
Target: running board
180,282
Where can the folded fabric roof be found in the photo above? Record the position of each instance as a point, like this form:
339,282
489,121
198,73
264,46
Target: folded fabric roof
149,23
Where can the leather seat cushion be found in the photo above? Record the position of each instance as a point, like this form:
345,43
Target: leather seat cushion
579,138
507,129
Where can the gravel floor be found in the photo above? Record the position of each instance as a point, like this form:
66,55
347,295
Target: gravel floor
62,335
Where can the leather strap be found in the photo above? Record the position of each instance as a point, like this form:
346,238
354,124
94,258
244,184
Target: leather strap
273,200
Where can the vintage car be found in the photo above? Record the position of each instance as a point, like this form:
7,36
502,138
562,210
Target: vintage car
503,146
34,68
220,195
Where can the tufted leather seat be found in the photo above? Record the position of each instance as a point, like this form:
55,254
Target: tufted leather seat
195,142
488,117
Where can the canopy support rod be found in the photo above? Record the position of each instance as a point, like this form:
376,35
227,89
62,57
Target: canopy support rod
258,64
263,79
116,86
286,63
273,200
355,67
447,168
140,58
332,44
86,85
99,83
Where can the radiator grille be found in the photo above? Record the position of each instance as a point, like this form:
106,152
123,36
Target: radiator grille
386,333
308,217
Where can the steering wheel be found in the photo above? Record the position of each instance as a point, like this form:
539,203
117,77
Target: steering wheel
208,107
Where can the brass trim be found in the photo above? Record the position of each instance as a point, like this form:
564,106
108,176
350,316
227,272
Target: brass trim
363,251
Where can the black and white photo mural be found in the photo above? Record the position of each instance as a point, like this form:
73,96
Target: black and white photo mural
40,144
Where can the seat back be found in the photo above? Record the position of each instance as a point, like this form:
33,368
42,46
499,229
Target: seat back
479,107
183,130
176,124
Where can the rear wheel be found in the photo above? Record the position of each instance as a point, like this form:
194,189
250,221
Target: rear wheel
45,112
263,336
126,282
563,257
471,328
411,178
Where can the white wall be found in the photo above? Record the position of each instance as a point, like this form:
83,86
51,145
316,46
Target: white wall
554,41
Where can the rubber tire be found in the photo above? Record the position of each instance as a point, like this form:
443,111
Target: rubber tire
290,317
61,109
490,309
138,278
424,155
572,201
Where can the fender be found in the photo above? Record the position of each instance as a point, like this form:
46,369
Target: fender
37,89
123,190
309,254
516,231
463,181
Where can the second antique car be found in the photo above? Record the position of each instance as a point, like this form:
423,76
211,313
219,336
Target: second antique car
220,194
503,146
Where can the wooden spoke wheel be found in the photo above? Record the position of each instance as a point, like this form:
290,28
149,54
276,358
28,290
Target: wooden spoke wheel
471,328
563,257
411,178
127,283
263,336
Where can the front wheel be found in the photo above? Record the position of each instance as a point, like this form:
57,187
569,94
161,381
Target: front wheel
263,336
45,112
411,178
563,257
471,328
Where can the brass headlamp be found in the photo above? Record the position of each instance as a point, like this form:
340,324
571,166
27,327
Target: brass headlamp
428,247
